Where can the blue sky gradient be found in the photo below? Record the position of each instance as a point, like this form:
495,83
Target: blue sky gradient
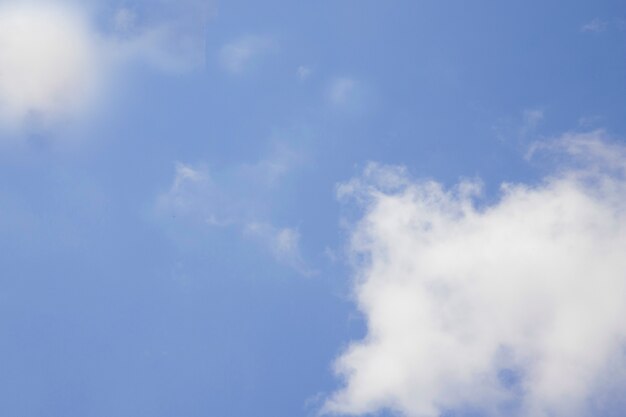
181,251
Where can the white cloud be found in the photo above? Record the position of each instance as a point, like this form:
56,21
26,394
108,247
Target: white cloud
55,61
513,308
49,63
236,56
596,25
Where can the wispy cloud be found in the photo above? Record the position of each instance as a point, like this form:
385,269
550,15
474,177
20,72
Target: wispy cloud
348,95
515,308
588,122
239,199
283,243
342,91
169,35
195,196
304,72
522,127
532,119
238,55
595,25
269,171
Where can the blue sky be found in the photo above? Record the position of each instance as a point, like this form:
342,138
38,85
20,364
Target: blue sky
233,208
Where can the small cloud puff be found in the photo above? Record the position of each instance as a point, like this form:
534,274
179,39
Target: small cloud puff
511,309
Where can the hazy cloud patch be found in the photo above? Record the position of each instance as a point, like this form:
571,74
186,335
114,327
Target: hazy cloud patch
595,25
342,91
348,95
283,244
167,34
240,54
304,72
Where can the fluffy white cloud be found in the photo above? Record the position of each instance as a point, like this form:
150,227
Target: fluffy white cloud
49,62
54,59
236,56
511,308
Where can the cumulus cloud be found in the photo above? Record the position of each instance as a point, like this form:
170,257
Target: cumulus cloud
237,56
55,61
511,308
